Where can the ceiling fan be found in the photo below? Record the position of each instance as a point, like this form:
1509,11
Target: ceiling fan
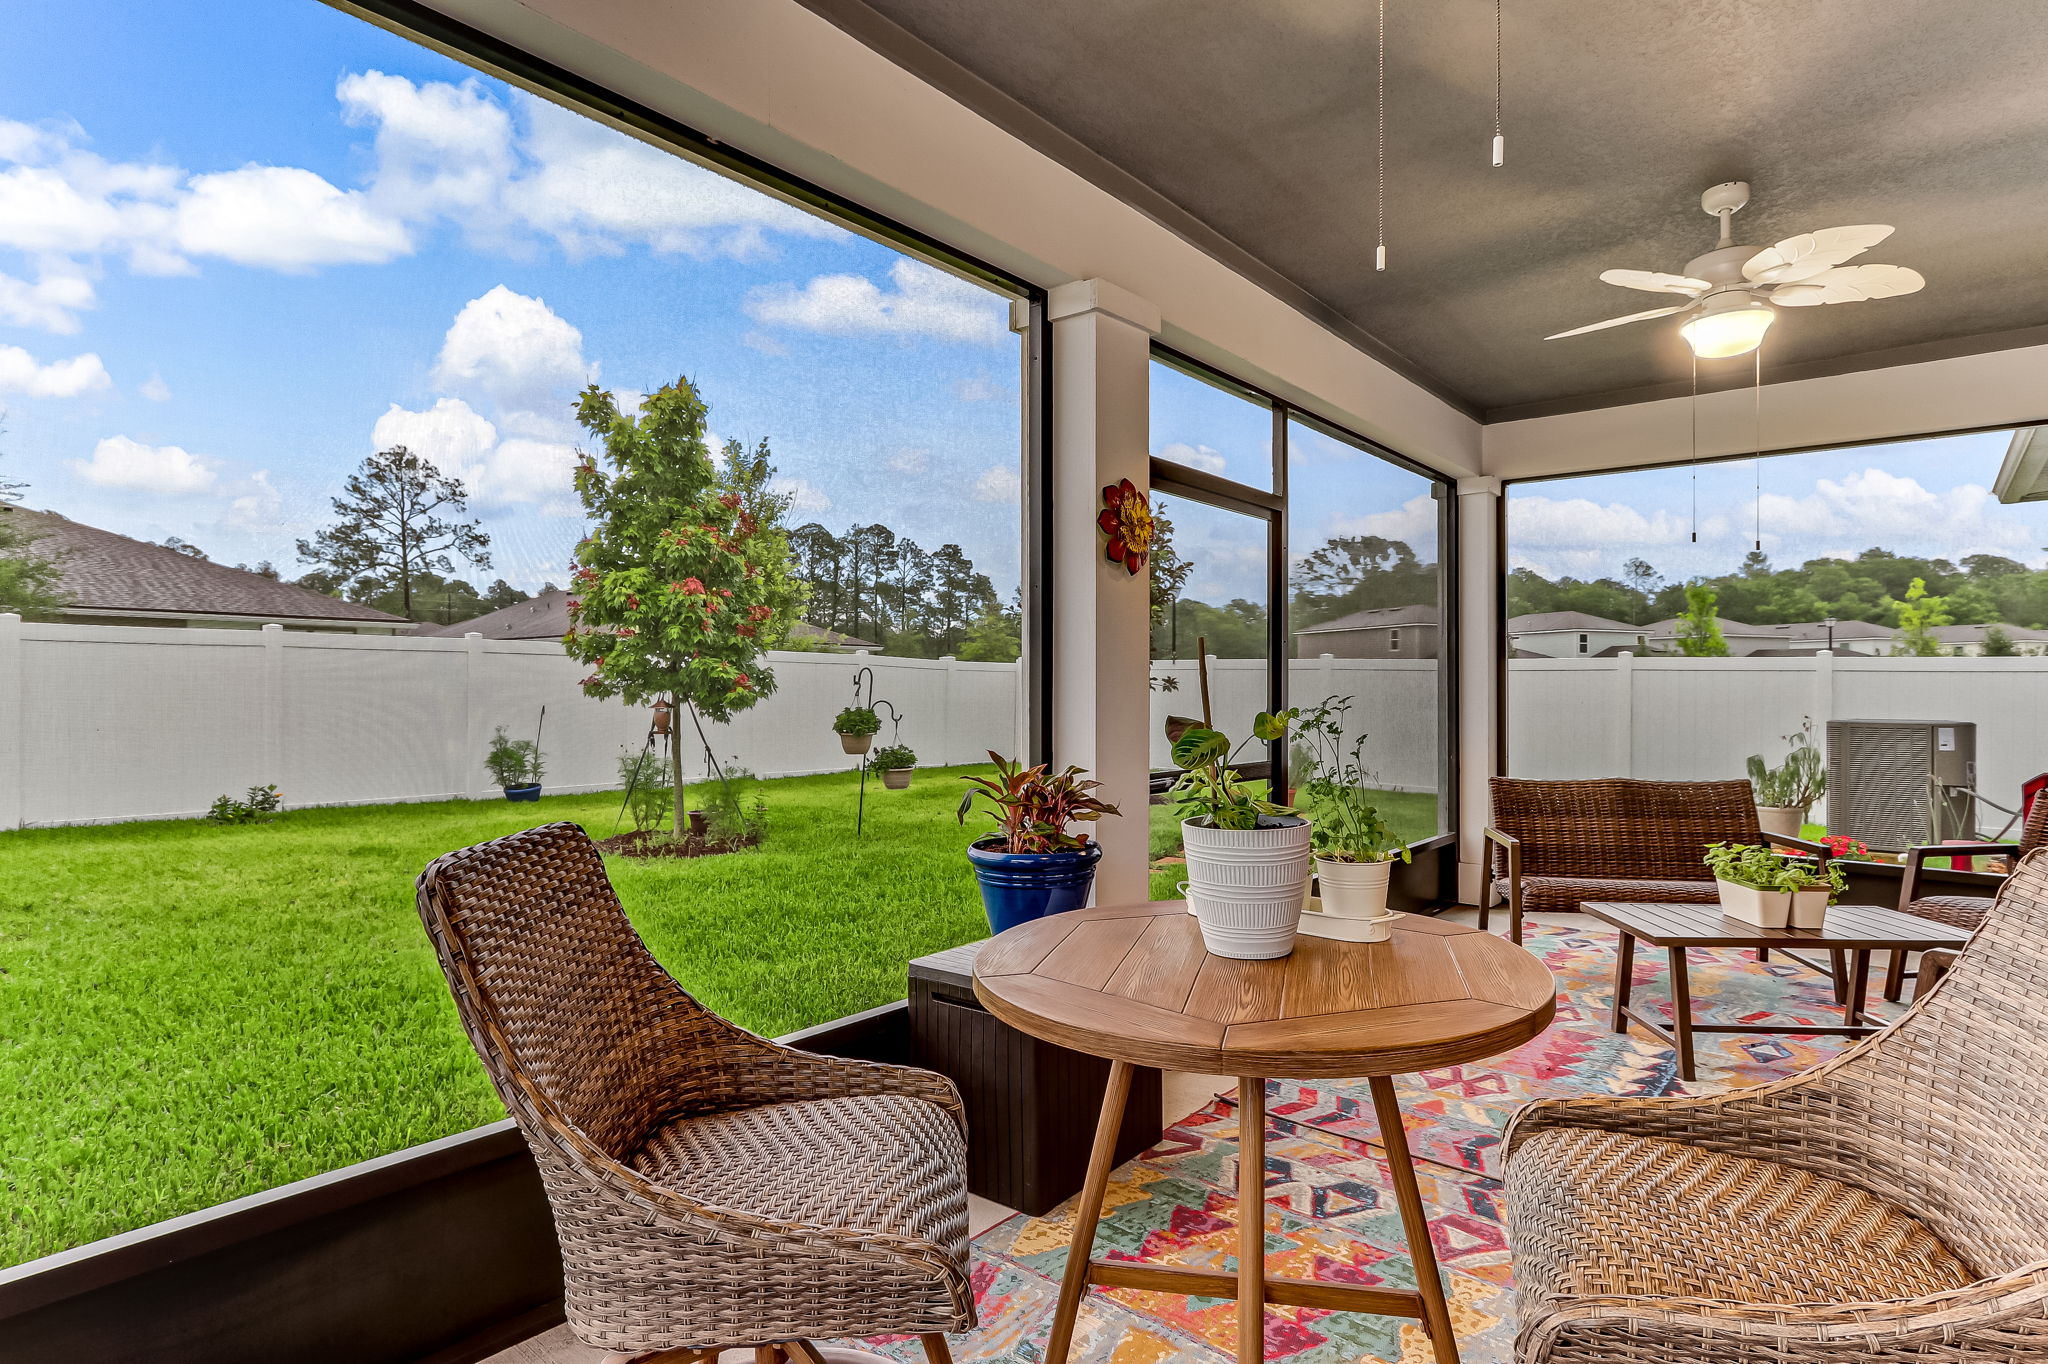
1731,290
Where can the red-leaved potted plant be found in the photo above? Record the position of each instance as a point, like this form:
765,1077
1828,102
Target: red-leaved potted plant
1032,866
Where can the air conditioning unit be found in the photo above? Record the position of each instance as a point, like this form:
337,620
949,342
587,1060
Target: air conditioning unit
1898,783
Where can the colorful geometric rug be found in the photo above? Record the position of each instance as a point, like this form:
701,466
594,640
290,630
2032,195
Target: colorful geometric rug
1330,1210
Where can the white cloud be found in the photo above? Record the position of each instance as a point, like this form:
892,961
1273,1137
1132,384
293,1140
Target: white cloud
531,471
761,341
258,508
1876,507
923,302
284,218
1202,457
440,148
909,460
450,434
810,499
1577,521
516,350
51,303
998,483
979,388
129,465
155,389
1414,523
19,373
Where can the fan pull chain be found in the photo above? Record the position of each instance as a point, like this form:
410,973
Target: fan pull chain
1500,142
1379,259
1694,410
1757,418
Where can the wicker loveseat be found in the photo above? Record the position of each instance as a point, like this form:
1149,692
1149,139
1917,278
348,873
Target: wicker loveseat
1557,844
1891,1204
710,1188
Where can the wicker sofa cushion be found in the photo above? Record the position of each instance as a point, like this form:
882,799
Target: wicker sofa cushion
1957,911
1566,893
878,1162
1595,1213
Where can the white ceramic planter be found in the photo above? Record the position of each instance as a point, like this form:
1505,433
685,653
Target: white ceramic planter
856,743
1246,887
1810,907
1354,890
1784,820
1764,908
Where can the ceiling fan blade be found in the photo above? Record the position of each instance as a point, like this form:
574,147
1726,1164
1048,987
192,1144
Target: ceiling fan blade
1618,321
1799,258
1849,284
1655,282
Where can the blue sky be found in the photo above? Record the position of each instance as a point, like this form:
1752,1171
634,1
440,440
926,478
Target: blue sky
1922,497
243,245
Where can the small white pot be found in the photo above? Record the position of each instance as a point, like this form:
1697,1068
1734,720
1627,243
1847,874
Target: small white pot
1354,890
1247,886
1784,820
1810,907
1764,908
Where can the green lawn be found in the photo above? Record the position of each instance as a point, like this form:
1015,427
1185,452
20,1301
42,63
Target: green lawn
191,1013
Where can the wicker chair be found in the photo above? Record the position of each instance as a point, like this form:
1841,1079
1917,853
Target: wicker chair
710,1188
1558,844
1957,911
1891,1204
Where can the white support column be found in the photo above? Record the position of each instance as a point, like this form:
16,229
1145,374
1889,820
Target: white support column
1479,665
1101,614
13,757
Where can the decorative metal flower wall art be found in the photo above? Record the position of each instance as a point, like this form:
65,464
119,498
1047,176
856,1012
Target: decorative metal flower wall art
1127,520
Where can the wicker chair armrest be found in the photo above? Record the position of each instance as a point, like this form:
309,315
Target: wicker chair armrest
1770,1120
757,1070
1686,1330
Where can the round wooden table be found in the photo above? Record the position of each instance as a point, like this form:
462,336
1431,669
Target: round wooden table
1132,983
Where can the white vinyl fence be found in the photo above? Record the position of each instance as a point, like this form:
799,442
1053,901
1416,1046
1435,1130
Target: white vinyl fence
1699,718
102,723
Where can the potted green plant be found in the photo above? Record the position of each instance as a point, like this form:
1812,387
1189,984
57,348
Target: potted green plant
1772,890
1247,857
856,726
1786,792
1032,865
895,762
1355,849
515,764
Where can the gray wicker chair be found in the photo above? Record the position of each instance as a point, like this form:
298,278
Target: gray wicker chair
710,1188
1891,1204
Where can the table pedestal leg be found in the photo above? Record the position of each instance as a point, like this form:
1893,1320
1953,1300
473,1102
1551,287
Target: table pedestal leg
1251,1220
1436,1311
1088,1212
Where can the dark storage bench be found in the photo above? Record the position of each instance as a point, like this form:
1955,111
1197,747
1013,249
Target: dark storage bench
1031,1106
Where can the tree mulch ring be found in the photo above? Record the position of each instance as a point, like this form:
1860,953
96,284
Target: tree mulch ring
658,843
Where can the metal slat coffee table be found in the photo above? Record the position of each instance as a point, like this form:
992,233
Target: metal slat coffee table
1857,930
1132,983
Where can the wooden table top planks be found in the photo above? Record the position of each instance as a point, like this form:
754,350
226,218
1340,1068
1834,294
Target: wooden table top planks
1133,983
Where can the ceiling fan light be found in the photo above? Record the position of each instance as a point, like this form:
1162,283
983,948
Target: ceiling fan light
1728,331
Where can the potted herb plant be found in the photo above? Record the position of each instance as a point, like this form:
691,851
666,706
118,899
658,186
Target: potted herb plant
515,765
895,762
1355,849
1771,890
856,727
1786,792
1032,866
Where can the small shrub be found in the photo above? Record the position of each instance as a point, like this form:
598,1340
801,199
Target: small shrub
735,812
892,757
513,762
650,789
259,806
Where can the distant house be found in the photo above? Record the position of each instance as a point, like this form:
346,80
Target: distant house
109,579
1384,632
1968,640
547,617
1573,634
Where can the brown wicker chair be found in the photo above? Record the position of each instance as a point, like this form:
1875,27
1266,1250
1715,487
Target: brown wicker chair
1957,911
1558,844
1891,1204
710,1188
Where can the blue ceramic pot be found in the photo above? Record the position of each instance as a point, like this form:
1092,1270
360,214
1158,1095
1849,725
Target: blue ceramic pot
523,792
1017,888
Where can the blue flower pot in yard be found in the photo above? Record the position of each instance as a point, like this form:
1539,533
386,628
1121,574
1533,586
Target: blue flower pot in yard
1017,888
531,792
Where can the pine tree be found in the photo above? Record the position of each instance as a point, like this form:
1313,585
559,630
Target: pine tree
28,580
393,526
670,595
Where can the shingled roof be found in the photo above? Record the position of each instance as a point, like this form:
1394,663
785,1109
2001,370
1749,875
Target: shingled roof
547,617
102,573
